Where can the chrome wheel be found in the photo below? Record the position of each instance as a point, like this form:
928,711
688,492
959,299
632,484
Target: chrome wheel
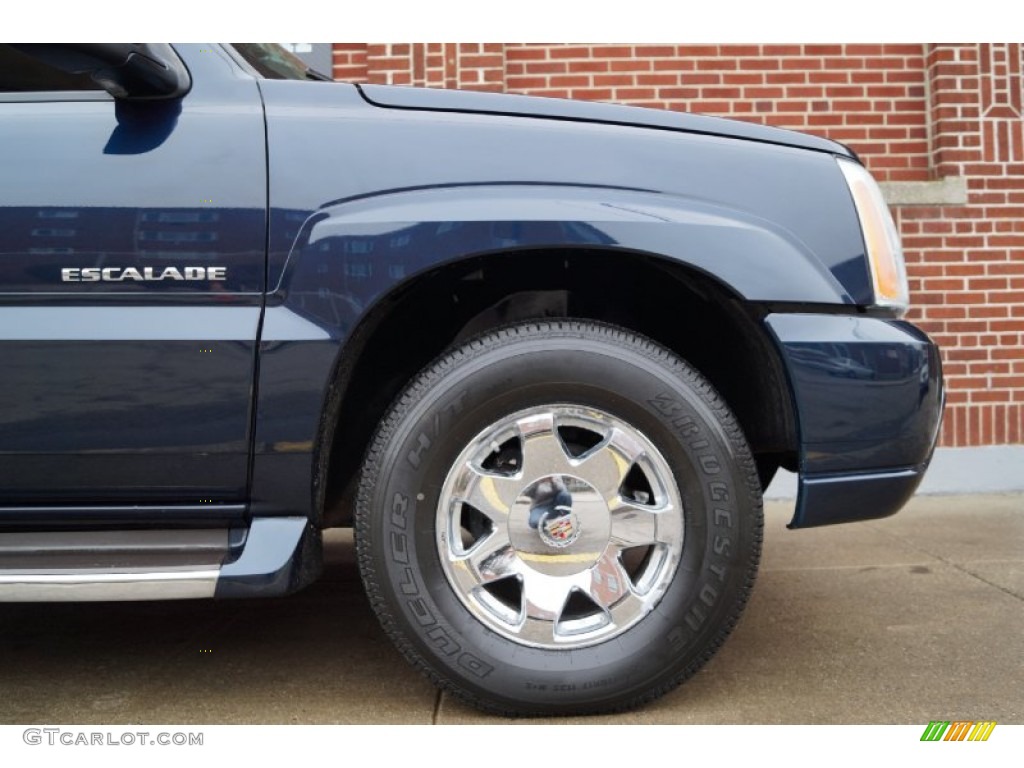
560,526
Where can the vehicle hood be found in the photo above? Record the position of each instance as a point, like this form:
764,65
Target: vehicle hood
475,102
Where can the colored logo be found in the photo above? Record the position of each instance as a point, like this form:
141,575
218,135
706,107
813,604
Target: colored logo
560,531
958,730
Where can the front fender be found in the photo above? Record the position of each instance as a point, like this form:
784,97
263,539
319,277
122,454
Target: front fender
352,252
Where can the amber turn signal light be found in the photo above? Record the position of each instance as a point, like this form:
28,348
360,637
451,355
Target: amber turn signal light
882,241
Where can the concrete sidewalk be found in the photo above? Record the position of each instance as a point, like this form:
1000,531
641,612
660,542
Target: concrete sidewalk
915,618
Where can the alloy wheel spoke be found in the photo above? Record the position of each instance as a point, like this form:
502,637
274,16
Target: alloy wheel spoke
491,558
544,596
543,451
489,493
610,586
634,525
538,631
628,609
544,599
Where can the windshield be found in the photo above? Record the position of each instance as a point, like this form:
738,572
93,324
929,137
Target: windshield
276,63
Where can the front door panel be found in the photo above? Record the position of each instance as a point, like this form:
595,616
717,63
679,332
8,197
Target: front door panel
132,240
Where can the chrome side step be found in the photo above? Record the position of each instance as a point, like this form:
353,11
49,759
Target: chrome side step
81,587
274,556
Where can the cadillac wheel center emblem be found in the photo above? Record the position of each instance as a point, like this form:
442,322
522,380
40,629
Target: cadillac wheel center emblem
560,531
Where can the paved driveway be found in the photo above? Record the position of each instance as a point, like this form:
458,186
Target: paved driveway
906,620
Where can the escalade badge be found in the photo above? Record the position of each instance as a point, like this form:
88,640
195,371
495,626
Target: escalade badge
143,274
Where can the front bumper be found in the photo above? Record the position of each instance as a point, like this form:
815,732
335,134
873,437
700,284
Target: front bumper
868,397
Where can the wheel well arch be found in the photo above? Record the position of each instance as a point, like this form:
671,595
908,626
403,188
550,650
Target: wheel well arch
678,306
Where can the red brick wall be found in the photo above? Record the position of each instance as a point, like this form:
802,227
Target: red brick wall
914,113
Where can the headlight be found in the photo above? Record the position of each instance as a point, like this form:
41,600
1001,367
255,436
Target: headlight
885,254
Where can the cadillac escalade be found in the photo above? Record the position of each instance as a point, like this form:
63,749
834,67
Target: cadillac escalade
543,356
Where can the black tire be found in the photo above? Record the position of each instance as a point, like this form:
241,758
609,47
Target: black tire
530,366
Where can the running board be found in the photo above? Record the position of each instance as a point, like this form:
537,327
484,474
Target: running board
122,585
274,556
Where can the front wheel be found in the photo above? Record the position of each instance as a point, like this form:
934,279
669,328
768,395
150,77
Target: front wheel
558,517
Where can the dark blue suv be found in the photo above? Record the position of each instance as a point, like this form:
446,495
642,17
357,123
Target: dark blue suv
542,355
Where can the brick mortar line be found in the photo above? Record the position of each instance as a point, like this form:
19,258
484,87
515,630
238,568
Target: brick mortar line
910,64
744,59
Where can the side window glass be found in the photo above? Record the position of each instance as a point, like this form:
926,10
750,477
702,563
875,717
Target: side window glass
20,73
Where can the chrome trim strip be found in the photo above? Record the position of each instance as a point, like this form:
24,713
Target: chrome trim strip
856,477
154,516
77,587
203,542
128,323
